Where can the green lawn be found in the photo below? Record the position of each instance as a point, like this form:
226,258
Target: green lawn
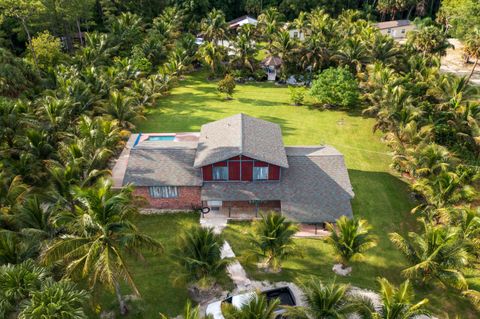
381,196
155,275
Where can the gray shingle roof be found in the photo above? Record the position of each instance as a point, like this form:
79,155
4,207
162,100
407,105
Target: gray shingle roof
392,24
162,167
241,134
314,188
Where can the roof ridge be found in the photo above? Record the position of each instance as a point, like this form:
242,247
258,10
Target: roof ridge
242,122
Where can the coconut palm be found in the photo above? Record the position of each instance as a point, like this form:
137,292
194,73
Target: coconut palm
438,253
284,47
353,53
189,312
244,52
269,23
383,48
212,55
258,307
17,282
315,53
121,108
472,48
100,233
213,27
323,300
396,303
350,238
429,40
272,240
198,253
55,300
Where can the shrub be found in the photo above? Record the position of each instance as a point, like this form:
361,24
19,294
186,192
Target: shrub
227,86
297,95
336,87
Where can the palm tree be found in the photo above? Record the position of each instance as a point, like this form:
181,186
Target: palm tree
55,300
244,53
212,55
442,190
272,240
284,47
350,238
429,40
437,253
269,22
213,27
100,234
315,53
122,109
258,307
323,301
397,303
198,253
353,53
472,48
16,284
189,312
383,48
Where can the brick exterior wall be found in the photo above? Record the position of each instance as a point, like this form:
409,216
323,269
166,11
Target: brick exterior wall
188,198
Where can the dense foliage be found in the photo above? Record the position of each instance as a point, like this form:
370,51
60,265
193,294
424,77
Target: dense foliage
70,99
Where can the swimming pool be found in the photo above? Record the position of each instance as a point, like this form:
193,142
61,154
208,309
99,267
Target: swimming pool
161,138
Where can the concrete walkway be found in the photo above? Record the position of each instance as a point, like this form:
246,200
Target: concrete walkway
216,221
235,269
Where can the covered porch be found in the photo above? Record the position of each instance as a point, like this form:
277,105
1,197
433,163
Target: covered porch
242,209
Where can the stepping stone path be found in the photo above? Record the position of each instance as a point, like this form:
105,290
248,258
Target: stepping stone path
243,283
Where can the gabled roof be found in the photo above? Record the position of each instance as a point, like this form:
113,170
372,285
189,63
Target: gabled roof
393,24
240,134
315,187
242,20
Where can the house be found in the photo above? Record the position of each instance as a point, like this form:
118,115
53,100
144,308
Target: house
296,34
237,166
397,29
238,22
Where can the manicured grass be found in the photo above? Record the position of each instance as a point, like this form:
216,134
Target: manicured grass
155,275
381,196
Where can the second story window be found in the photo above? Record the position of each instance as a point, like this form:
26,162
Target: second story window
220,173
260,173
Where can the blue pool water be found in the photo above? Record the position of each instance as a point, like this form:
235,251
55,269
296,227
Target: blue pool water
161,138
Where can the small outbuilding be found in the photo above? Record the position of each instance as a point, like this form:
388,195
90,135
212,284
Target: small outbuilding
272,65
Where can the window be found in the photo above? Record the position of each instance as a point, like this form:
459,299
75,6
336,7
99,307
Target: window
295,34
163,191
220,173
403,30
389,31
260,173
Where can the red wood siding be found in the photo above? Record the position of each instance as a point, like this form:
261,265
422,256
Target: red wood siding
241,168
247,170
273,172
207,173
234,171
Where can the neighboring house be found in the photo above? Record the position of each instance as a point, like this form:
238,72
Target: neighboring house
237,166
238,22
296,34
397,29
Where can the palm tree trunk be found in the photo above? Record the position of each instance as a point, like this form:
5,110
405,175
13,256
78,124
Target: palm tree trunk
473,69
79,33
121,302
24,24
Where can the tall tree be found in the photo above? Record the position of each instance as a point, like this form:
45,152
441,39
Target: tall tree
23,10
101,233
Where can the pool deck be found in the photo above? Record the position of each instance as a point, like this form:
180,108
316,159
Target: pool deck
120,165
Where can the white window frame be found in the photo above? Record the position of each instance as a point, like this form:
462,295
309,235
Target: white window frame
264,173
223,168
163,191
